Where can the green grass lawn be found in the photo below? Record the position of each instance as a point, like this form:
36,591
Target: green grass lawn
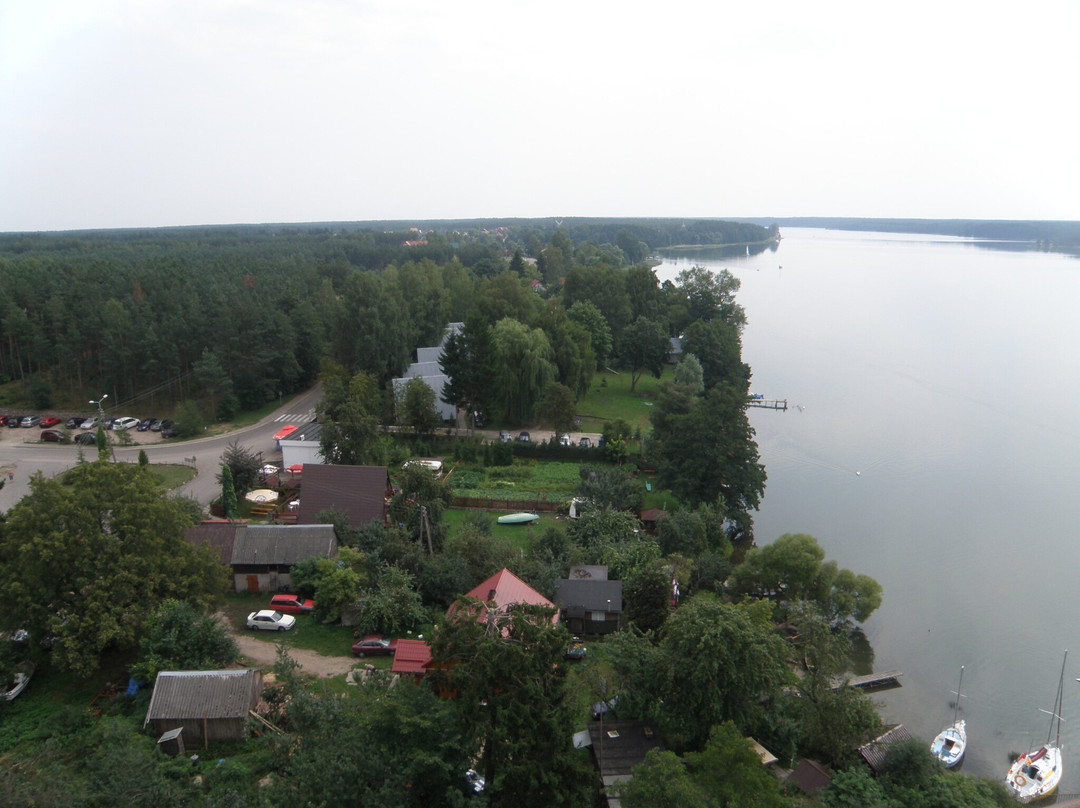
517,536
610,398
547,481
171,477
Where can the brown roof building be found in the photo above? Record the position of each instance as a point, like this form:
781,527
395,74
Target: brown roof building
360,492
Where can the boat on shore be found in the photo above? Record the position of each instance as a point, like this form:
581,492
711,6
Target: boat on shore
517,518
951,743
1037,774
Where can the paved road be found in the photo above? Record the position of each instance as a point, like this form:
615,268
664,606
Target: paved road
20,458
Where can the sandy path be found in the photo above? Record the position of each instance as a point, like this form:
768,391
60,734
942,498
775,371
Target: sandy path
263,654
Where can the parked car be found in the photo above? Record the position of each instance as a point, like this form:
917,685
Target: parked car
144,424
86,438
89,423
475,780
48,422
584,443
13,421
291,604
127,422
73,423
564,439
31,420
168,429
108,423
52,436
524,437
270,620
374,645
155,425
504,436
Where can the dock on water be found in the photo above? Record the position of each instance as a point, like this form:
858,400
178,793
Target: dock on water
767,403
883,680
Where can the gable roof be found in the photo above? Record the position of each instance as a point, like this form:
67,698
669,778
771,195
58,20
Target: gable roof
506,589
283,544
203,694
411,657
589,594
358,491
218,535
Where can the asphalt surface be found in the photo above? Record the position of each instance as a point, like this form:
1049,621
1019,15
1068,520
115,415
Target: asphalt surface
22,454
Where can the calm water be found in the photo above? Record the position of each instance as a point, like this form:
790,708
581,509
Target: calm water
945,374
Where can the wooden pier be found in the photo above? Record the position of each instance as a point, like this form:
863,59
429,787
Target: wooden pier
884,680
768,403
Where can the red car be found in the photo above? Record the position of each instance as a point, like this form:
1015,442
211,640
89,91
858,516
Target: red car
291,604
51,436
374,645
48,422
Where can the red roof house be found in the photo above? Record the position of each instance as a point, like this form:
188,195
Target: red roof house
503,590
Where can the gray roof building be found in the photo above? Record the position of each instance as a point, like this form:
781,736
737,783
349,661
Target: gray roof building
283,545
206,704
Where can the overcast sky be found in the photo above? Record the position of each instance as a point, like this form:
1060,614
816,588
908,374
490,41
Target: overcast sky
136,113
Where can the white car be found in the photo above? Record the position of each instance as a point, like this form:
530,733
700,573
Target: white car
269,620
127,422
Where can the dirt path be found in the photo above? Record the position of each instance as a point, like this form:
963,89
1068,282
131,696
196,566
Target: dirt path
263,654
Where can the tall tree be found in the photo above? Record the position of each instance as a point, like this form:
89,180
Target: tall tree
90,558
644,347
522,366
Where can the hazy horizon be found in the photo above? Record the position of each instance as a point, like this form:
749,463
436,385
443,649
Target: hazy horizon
121,114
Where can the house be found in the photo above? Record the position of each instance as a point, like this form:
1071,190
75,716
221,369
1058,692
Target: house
302,446
412,658
619,746
589,605
261,557
503,590
874,752
427,368
809,777
360,492
218,534
207,705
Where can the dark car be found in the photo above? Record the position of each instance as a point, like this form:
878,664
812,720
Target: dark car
52,436
374,645
13,421
524,437
86,438
168,429
73,423
155,425
144,424
291,604
584,443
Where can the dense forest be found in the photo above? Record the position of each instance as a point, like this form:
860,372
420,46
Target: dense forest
238,316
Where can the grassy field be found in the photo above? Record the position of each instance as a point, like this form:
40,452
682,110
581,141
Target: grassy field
610,398
517,536
552,481
171,477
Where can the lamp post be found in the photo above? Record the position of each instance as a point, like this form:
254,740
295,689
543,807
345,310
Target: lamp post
101,418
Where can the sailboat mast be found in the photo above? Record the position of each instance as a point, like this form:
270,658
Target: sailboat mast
1056,715
956,711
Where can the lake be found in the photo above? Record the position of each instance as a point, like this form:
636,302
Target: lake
932,442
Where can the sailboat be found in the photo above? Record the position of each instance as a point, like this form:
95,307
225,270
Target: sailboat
1035,775
951,743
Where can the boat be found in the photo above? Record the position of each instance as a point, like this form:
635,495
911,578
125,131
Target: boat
20,678
1037,774
517,519
951,743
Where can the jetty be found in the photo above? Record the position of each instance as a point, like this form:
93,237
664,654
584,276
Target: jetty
883,680
767,403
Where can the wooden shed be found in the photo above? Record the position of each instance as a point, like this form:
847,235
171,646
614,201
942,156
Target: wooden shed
207,705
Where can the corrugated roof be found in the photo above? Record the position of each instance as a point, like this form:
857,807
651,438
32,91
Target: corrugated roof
411,657
283,544
621,746
357,491
592,595
203,694
874,752
311,431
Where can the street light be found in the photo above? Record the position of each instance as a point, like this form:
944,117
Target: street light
101,418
